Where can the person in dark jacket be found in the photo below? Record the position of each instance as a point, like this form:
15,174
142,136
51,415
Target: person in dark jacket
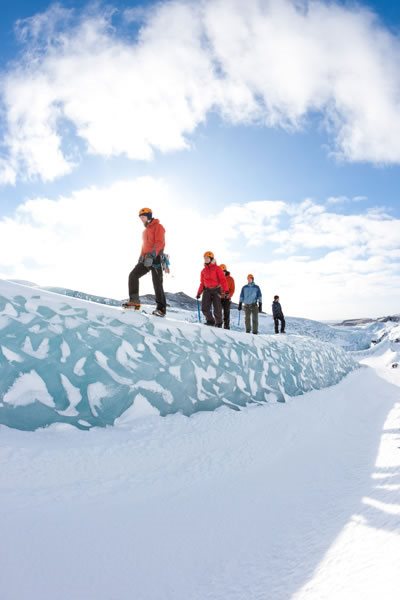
149,261
212,285
227,298
251,297
277,315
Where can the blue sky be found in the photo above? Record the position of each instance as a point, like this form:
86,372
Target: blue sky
288,165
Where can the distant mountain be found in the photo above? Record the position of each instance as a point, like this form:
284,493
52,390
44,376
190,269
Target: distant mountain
174,300
356,322
83,295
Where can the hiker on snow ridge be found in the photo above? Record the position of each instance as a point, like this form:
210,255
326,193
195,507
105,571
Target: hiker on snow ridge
227,298
149,260
251,297
212,285
277,315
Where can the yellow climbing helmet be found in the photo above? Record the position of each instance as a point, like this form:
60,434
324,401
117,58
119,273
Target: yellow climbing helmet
145,212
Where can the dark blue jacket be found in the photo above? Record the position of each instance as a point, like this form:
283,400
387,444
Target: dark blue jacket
277,310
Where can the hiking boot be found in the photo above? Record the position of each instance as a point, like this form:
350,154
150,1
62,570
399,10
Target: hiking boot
131,304
210,323
158,312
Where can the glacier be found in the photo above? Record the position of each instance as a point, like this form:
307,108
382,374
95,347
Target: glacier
66,360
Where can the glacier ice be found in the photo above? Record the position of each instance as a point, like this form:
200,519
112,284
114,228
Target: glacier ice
71,361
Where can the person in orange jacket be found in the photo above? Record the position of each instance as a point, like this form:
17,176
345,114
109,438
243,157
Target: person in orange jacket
227,298
212,285
149,261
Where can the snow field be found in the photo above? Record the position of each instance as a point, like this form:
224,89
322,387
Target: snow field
296,500
280,500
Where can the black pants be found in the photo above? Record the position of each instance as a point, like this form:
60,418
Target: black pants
157,276
276,321
226,307
212,298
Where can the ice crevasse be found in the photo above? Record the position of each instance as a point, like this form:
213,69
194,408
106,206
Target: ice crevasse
71,361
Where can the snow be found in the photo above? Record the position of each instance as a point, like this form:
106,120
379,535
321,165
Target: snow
94,361
296,500
27,389
278,500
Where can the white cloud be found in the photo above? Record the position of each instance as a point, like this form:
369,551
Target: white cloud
345,199
273,63
330,266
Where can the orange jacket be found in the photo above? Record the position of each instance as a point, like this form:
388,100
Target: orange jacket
153,238
231,285
212,276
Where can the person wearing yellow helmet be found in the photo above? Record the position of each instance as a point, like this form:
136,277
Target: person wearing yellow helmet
212,285
149,261
251,297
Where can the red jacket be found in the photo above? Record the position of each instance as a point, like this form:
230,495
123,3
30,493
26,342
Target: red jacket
212,276
153,238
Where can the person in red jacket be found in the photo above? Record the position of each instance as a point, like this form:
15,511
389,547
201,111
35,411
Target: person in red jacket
212,285
149,260
227,298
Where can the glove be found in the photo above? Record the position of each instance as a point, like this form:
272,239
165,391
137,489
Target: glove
198,296
148,261
260,307
240,306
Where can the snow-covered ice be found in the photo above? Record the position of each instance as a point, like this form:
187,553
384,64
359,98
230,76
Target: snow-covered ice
68,362
296,500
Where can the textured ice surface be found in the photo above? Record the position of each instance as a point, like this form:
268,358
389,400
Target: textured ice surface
66,360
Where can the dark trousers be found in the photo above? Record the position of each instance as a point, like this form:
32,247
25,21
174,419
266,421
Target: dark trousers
276,321
157,276
212,298
251,317
226,307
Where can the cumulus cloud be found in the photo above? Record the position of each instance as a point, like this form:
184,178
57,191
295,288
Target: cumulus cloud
133,92
322,264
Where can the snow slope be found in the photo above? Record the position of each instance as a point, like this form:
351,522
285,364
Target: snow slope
86,364
184,308
296,500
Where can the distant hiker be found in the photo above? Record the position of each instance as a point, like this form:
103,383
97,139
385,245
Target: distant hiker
251,297
149,260
277,315
212,285
227,298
